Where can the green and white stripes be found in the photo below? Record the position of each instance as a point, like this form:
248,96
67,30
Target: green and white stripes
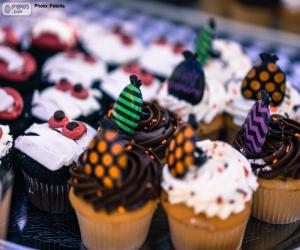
128,107
204,42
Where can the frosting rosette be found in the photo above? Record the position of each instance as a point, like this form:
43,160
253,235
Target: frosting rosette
219,186
6,141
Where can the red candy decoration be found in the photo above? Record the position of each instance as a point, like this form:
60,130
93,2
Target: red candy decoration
132,69
11,37
178,48
126,40
64,85
161,41
74,130
58,120
146,77
18,105
79,92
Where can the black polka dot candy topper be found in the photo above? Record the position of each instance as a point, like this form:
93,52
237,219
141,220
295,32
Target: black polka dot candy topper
183,153
127,110
187,82
256,126
106,159
267,76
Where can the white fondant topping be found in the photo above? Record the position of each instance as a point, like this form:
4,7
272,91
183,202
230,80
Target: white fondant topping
212,104
117,80
6,101
52,149
74,68
214,189
160,59
13,59
238,106
6,141
64,31
109,47
44,104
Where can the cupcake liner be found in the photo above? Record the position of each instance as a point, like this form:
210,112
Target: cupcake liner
276,206
100,230
189,237
211,130
230,128
4,212
47,197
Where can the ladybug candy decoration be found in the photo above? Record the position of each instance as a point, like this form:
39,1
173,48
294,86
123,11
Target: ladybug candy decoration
106,159
182,153
267,76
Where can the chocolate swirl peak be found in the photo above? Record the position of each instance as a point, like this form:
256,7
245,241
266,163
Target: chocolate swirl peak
281,151
116,177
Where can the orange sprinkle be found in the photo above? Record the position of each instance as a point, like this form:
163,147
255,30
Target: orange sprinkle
287,149
99,193
75,181
164,142
121,210
297,135
274,161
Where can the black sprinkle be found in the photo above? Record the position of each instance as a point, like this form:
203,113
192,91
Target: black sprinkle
78,87
192,193
171,188
226,165
59,115
72,125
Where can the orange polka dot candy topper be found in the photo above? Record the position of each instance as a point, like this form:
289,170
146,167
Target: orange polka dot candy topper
265,76
183,153
106,159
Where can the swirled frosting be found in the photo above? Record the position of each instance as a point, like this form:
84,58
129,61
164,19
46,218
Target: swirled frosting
220,187
233,62
141,184
155,129
15,62
6,141
117,80
238,106
45,103
75,67
50,147
281,152
212,104
111,47
294,5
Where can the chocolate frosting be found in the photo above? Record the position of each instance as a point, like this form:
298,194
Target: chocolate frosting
281,152
155,129
140,184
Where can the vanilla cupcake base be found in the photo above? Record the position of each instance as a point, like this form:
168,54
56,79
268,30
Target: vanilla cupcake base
100,230
277,201
190,231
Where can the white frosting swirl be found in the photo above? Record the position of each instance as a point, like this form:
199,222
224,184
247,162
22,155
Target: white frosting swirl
160,59
45,103
117,80
212,104
12,58
294,5
51,148
238,106
110,48
6,141
233,62
220,187
73,68
7,101
65,32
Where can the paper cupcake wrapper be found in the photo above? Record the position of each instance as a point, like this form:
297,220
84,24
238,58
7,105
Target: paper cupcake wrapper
47,197
4,212
104,235
193,238
276,206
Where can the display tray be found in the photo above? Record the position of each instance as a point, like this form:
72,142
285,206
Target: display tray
31,227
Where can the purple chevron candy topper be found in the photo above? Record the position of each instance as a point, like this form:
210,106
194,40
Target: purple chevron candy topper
256,127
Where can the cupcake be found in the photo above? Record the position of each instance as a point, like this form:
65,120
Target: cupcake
17,70
114,193
271,145
207,191
116,80
289,15
223,60
74,66
265,75
14,110
161,57
194,98
45,153
6,143
77,102
49,36
114,46
8,37
144,123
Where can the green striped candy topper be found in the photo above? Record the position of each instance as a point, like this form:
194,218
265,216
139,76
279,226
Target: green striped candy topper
204,42
127,109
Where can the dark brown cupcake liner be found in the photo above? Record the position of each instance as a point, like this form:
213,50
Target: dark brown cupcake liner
47,197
